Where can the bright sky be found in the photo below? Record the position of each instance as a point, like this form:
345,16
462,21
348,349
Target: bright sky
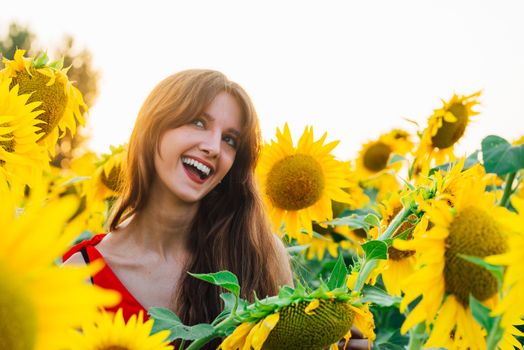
351,68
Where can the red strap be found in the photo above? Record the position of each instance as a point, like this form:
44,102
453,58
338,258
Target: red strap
107,279
89,242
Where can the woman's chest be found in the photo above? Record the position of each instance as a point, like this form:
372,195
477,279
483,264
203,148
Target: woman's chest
152,285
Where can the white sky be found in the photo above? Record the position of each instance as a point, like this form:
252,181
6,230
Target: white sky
351,68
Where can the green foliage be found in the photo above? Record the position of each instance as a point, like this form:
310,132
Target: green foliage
500,157
394,158
353,221
372,219
470,161
496,270
224,279
491,324
377,296
338,275
481,313
167,320
375,249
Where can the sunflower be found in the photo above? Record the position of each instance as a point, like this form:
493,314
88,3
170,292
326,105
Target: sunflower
40,301
109,172
298,183
330,238
446,126
400,264
374,156
324,239
76,181
62,103
22,160
512,304
306,324
94,211
470,223
110,332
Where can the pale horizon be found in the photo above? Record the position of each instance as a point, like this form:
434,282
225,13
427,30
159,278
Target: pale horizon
351,69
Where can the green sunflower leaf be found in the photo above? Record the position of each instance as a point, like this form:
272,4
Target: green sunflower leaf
481,313
338,275
500,157
353,221
470,161
229,301
164,319
396,158
198,331
497,271
377,296
295,249
224,279
375,249
388,346
372,219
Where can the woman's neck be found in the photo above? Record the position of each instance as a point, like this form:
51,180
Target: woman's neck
163,225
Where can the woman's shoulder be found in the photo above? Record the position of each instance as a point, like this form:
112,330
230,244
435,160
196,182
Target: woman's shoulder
76,259
285,275
76,253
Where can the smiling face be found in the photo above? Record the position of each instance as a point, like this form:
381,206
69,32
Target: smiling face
193,158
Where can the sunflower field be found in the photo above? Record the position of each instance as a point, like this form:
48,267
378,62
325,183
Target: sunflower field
408,245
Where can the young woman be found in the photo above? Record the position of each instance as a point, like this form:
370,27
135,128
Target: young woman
189,203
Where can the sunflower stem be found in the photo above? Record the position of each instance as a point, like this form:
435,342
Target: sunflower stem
182,344
507,189
417,337
197,344
395,223
369,265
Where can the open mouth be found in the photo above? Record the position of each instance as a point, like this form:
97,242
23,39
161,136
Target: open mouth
197,168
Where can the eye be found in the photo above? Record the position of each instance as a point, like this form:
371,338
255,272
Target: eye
230,141
199,122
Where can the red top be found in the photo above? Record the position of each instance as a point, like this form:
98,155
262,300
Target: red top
106,278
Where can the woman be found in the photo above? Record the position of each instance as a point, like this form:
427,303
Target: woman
189,203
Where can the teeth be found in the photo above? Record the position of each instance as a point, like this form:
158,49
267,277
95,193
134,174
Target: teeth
203,168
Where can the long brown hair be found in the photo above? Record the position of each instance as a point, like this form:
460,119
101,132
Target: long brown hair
230,230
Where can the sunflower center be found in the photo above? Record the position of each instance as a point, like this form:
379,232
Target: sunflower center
298,330
113,180
7,141
472,232
376,157
400,134
53,98
394,253
451,132
18,321
295,182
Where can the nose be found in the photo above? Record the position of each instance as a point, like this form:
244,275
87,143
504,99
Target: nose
211,145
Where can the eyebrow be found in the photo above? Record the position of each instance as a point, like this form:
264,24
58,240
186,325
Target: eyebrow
231,130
